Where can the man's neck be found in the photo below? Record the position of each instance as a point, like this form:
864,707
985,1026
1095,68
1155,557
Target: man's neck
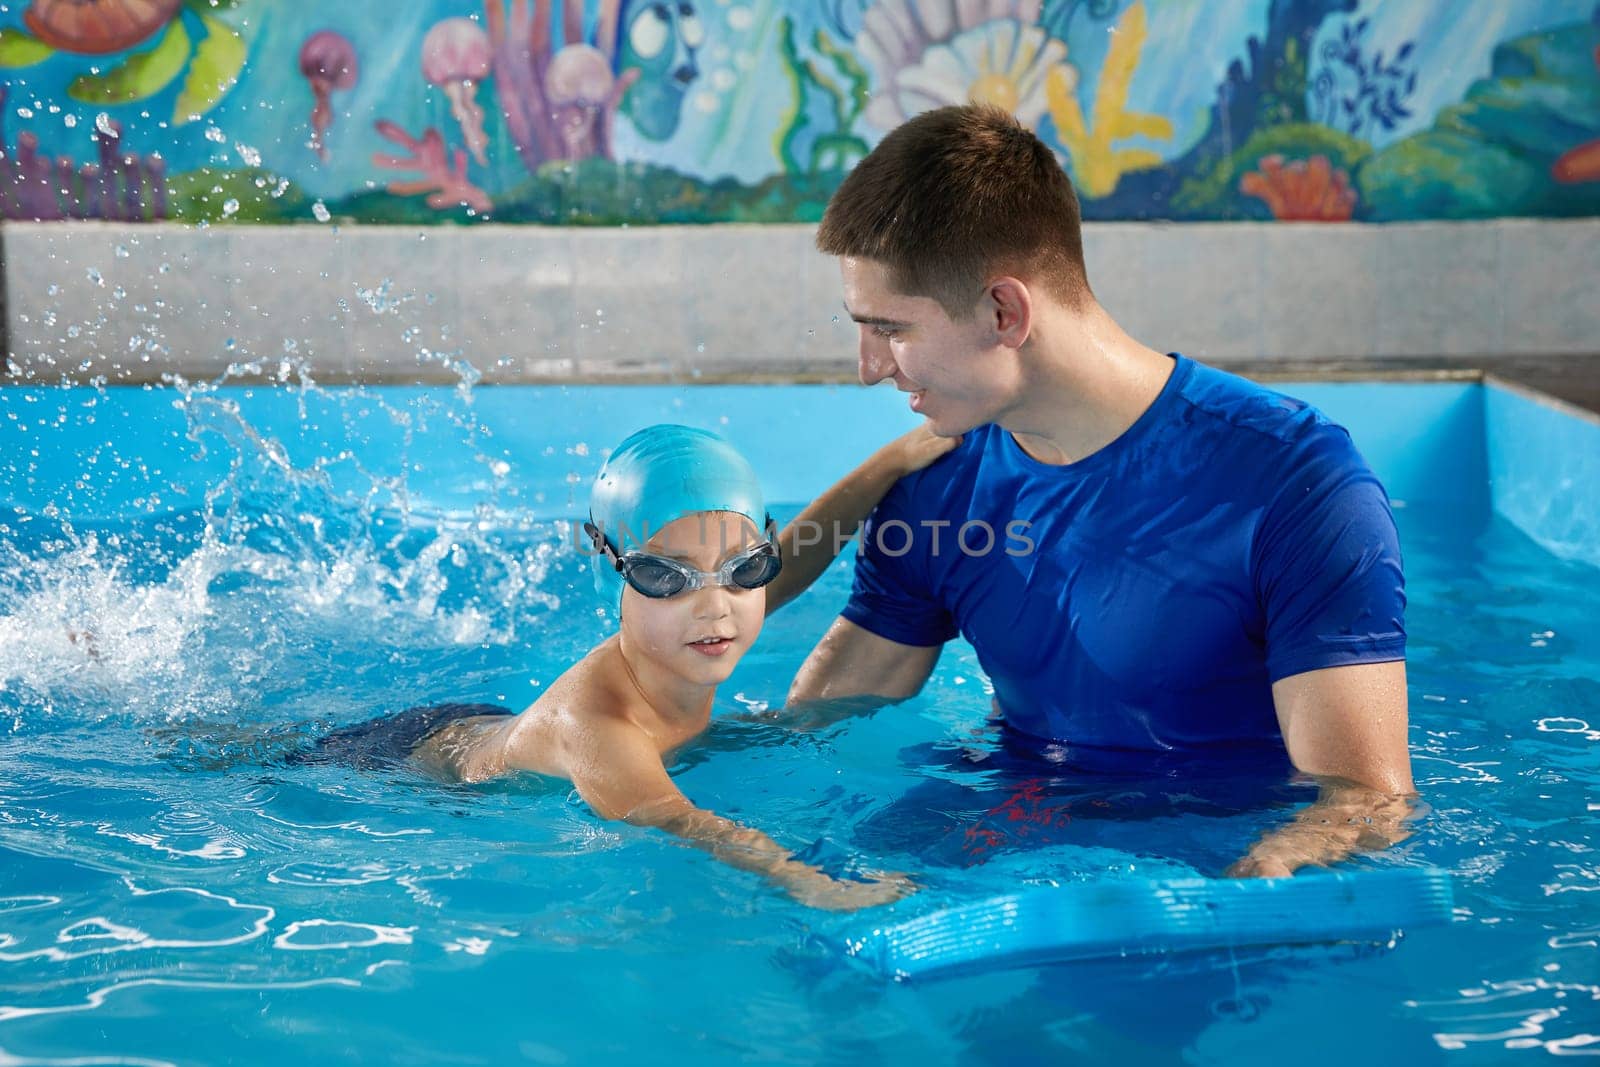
1085,383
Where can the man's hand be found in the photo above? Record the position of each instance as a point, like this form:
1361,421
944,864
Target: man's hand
1346,818
819,533
914,450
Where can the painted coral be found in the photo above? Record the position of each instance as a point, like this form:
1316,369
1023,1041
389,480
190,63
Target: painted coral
446,184
1580,164
123,185
1098,164
1302,190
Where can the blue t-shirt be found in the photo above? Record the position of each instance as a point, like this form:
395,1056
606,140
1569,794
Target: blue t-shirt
1147,596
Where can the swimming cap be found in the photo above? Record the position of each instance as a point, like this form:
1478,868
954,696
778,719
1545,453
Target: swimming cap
660,474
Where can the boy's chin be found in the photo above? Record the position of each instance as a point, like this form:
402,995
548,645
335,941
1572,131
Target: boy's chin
714,671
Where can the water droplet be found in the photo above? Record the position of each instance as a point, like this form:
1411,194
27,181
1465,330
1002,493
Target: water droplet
320,210
122,251
94,276
102,122
69,121
701,347
230,206
215,134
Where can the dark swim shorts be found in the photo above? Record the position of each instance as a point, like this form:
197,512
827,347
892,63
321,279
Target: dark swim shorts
389,739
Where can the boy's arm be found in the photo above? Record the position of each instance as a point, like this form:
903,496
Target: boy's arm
820,532
619,774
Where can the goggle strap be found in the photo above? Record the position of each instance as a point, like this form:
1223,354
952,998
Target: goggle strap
602,544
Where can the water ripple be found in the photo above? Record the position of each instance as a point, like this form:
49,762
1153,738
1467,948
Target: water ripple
1515,1013
338,934
150,921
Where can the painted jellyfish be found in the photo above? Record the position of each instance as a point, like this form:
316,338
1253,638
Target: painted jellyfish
581,91
96,27
328,60
455,57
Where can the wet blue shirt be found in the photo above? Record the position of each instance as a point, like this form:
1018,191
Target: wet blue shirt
1147,596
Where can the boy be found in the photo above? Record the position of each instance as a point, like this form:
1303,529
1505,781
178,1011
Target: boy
683,537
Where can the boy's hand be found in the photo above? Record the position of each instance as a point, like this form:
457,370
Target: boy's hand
815,889
915,450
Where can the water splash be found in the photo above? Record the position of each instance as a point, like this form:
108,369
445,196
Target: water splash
289,577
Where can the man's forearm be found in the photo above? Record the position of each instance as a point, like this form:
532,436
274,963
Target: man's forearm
1345,819
816,537
820,714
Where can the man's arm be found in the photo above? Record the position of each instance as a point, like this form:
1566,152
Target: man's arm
619,774
819,533
1347,727
852,671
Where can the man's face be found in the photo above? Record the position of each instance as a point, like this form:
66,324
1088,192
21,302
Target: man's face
957,373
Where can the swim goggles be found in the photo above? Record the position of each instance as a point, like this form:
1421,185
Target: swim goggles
658,577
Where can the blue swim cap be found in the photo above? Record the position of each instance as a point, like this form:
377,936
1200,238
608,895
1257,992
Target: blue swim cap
659,475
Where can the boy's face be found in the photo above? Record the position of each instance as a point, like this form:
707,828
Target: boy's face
700,634
957,373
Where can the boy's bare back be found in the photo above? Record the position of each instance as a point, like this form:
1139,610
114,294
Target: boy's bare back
558,735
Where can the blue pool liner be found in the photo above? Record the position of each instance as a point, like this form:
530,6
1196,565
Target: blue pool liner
1113,918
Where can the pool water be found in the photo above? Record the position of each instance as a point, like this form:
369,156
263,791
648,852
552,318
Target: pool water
194,582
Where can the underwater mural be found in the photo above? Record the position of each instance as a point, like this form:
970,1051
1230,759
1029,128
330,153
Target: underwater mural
603,112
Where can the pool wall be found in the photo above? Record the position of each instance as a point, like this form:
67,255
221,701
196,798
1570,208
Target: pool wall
1464,449
529,304
1544,469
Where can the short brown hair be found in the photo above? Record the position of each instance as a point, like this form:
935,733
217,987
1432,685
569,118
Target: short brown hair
953,197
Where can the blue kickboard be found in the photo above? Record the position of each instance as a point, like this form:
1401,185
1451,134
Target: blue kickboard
1120,918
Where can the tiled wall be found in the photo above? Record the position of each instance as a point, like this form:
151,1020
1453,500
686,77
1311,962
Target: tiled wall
131,302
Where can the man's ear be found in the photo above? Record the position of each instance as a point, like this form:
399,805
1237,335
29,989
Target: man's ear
1009,307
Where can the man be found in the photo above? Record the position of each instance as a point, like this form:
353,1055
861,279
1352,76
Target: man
1149,556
